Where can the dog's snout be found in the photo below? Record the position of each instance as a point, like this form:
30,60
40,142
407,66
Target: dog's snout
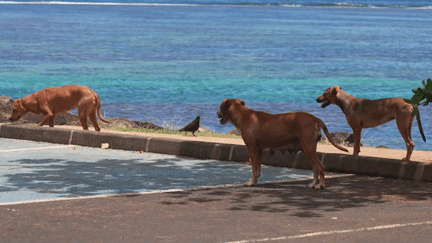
222,120
12,119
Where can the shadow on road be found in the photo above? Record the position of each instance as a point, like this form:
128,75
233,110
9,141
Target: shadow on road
340,193
149,172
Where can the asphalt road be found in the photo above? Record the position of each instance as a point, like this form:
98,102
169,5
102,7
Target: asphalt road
52,193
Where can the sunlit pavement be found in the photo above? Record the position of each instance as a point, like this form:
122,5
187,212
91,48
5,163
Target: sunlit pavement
42,171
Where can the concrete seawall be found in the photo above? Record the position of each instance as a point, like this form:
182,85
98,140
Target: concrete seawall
228,152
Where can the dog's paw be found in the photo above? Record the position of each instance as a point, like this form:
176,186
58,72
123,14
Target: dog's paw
316,186
319,187
312,184
250,183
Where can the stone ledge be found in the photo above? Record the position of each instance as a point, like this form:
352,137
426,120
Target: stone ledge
228,152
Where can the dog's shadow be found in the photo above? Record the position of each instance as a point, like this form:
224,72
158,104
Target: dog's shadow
294,198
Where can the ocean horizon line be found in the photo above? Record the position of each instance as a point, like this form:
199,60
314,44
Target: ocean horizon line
279,4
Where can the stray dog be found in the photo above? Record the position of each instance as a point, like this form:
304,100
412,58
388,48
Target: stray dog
59,100
261,130
365,113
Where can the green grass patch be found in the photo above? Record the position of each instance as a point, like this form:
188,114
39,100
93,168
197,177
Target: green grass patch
4,116
165,131
325,142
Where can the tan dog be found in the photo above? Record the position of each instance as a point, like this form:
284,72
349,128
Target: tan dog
365,113
59,100
261,130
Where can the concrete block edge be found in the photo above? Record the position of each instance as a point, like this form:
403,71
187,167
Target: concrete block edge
228,152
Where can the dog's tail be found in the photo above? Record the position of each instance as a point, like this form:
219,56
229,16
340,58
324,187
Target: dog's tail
419,123
98,107
324,128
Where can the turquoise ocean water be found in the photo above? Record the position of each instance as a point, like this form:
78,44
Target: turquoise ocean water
167,60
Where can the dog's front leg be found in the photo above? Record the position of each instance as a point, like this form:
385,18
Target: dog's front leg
255,155
49,118
357,137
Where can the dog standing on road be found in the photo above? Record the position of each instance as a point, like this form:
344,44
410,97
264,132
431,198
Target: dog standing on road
59,100
365,113
261,130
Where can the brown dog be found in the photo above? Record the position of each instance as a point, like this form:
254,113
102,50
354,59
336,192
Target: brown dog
261,130
365,113
59,100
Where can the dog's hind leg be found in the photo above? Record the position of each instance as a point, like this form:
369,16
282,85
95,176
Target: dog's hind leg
317,166
83,121
86,108
93,120
83,114
404,125
255,156
319,173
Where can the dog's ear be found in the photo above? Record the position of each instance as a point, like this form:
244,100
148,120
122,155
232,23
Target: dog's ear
21,105
18,108
225,104
30,106
334,92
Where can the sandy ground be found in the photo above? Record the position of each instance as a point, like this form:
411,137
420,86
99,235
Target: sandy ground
422,156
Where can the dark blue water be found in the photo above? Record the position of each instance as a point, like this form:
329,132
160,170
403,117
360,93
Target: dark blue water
171,62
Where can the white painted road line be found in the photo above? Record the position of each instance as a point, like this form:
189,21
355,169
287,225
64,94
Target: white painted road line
332,232
36,148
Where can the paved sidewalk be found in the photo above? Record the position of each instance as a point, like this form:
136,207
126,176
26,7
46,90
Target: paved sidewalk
43,171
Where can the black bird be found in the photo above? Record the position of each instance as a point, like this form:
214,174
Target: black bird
191,127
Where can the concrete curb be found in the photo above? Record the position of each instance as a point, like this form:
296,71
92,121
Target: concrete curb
228,152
